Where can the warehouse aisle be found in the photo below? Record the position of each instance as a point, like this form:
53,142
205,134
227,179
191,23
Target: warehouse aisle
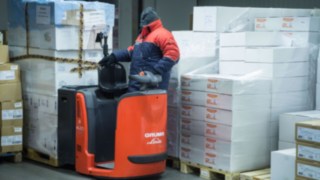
33,171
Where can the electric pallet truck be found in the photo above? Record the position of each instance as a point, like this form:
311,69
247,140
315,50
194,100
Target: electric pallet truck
108,133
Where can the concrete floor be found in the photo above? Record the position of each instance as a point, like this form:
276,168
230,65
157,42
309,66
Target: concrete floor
28,170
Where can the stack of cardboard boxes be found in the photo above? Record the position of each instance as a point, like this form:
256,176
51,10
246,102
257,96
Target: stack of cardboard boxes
308,150
261,74
11,113
225,120
197,49
54,31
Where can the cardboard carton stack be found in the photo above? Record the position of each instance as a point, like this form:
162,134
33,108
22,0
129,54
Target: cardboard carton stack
308,150
284,57
262,74
54,31
197,49
225,120
287,123
11,115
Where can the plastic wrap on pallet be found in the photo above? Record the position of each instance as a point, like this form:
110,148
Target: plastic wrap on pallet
197,49
235,19
42,139
52,22
40,103
46,77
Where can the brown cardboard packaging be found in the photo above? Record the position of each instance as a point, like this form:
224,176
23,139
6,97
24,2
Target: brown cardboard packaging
10,91
11,139
307,170
308,131
4,54
9,73
11,113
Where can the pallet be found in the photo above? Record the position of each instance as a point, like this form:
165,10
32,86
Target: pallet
41,157
173,162
15,157
263,174
207,172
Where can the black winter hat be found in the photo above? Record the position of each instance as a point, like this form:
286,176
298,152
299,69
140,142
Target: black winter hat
148,15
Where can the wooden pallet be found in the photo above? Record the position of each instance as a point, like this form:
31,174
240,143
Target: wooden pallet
263,174
207,172
15,157
41,157
173,162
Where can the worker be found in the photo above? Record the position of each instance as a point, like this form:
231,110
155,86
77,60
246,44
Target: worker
155,50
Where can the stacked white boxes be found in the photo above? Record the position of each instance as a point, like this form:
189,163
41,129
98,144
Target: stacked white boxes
225,120
261,74
54,31
197,49
287,123
318,84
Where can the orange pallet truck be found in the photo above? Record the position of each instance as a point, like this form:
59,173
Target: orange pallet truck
106,132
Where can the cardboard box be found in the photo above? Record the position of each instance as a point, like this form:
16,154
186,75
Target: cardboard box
301,39
307,170
268,70
232,53
11,113
41,103
225,132
267,24
230,148
196,44
203,80
10,91
287,123
268,39
290,84
286,145
46,77
306,151
223,101
4,54
224,162
11,139
249,39
233,118
231,19
283,164
287,24
277,55
308,131
299,98
9,73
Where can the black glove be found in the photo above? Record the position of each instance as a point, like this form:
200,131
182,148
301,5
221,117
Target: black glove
106,61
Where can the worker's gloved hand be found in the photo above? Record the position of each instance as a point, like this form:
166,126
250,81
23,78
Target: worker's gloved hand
106,61
147,77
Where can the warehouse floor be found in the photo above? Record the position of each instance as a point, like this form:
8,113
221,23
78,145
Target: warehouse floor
28,170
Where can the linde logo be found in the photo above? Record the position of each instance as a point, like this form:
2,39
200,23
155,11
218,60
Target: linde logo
153,134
